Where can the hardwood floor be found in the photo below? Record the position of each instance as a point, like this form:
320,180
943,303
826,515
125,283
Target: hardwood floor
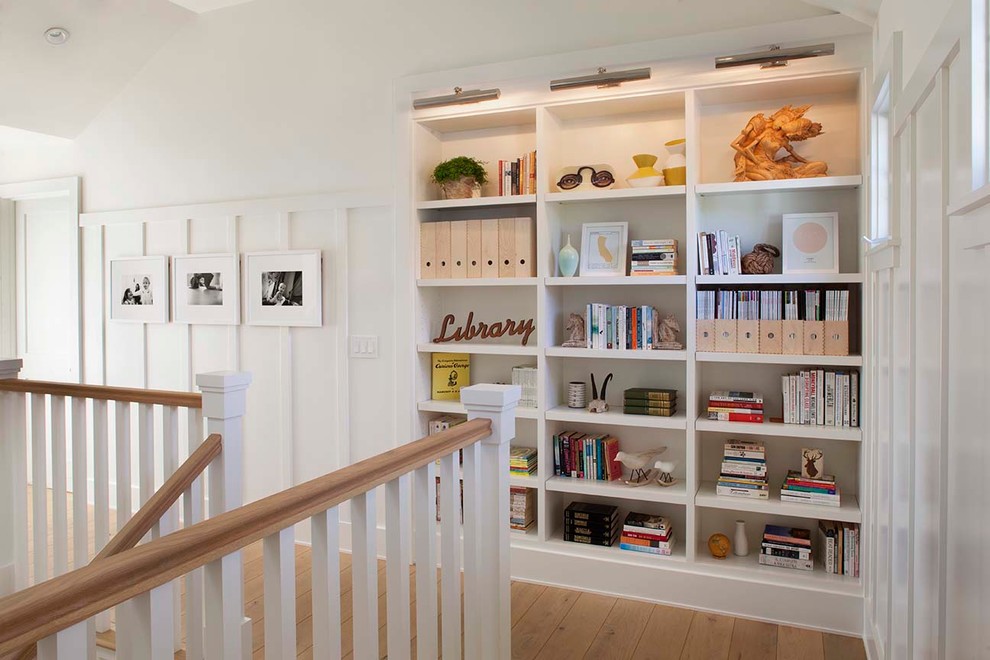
551,623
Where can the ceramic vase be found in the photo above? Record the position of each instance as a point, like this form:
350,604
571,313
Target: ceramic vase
740,546
464,188
567,259
675,171
646,176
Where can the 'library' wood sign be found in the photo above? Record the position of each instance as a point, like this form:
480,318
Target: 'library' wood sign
471,330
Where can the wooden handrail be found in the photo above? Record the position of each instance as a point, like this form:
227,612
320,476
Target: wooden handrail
103,392
153,510
36,612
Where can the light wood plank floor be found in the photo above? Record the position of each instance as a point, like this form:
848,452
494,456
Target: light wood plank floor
554,623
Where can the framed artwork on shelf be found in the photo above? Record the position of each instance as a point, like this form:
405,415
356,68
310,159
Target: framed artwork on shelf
810,243
139,289
284,288
205,289
604,247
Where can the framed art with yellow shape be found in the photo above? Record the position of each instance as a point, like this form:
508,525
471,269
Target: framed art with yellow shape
604,247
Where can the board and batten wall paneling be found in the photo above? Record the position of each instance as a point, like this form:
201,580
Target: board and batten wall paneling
305,416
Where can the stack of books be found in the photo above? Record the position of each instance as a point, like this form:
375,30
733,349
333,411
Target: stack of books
786,547
584,456
525,377
593,524
649,401
517,177
719,253
805,490
522,503
731,406
744,470
619,327
643,532
522,461
653,257
821,397
839,547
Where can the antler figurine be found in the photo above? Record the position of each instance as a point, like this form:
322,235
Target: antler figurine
598,405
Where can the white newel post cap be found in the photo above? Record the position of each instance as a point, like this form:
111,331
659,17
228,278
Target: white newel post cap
495,402
10,367
224,393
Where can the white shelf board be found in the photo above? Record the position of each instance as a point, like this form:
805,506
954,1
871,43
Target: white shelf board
750,568
615,193
652,280
615,354
476,202
781,185
798,278
457,408
615,553
784,430
617,418
676,494
519,480
479,281
764,358
478,349
848,512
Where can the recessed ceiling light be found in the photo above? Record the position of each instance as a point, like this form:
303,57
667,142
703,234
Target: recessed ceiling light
56,36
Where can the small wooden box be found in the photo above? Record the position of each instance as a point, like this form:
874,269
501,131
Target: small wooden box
836,338
725,336
814,337
748,336
443,250
792,341
771,334
427,251
705,336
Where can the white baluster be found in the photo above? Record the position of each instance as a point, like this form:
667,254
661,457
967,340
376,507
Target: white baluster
224,404
192,503
425,513
68,644
13,486
80,506
170,520
280,594
450,556
473,605
397,559
122,431
364,572
146,458
60,515
144,625
101,490
39,486
497,403
326,584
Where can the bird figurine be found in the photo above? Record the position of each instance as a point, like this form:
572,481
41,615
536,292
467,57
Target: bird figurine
665,471
598,405
638,464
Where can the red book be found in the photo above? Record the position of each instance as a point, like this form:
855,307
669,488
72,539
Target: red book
646,536
634,326
614,466
721,403
735,417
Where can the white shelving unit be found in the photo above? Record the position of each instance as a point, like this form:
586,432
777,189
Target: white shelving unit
608,126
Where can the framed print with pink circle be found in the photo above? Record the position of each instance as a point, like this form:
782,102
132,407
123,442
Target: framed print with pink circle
810,243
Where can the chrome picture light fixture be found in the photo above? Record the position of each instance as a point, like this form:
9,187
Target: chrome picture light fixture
601,79
459,97
774,57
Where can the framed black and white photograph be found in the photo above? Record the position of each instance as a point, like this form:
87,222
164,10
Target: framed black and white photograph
205,289
811,243
139,289
284,288
603,249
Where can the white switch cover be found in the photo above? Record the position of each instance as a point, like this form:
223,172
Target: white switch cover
364,346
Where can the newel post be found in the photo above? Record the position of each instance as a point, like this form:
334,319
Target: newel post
13,485
497,403
224,405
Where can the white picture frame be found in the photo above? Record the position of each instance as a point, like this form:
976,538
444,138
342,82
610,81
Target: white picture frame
134,281
284,288
810,243
206,289
604,249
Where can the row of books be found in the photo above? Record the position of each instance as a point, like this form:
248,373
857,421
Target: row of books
525,376
835,306
821,397
517,177
620,327
744,470
839,547
653,257
786,547
649,401
755,305
583,456
719,253
522,461
647,533
802,489
522,508
734,406
591,524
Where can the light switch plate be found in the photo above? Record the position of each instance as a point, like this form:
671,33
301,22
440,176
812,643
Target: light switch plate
364,346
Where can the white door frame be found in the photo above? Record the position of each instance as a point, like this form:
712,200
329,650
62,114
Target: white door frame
11,326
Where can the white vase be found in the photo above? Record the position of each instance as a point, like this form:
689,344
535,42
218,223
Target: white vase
740,546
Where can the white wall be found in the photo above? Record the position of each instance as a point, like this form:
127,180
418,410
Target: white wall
916,19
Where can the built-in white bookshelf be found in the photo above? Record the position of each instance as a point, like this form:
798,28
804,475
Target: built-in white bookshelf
609,126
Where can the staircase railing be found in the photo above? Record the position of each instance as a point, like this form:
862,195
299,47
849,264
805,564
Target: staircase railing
55,613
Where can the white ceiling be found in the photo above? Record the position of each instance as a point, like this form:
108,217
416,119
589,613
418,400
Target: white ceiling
203,6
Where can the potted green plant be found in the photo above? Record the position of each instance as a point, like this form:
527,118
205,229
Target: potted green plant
460,177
